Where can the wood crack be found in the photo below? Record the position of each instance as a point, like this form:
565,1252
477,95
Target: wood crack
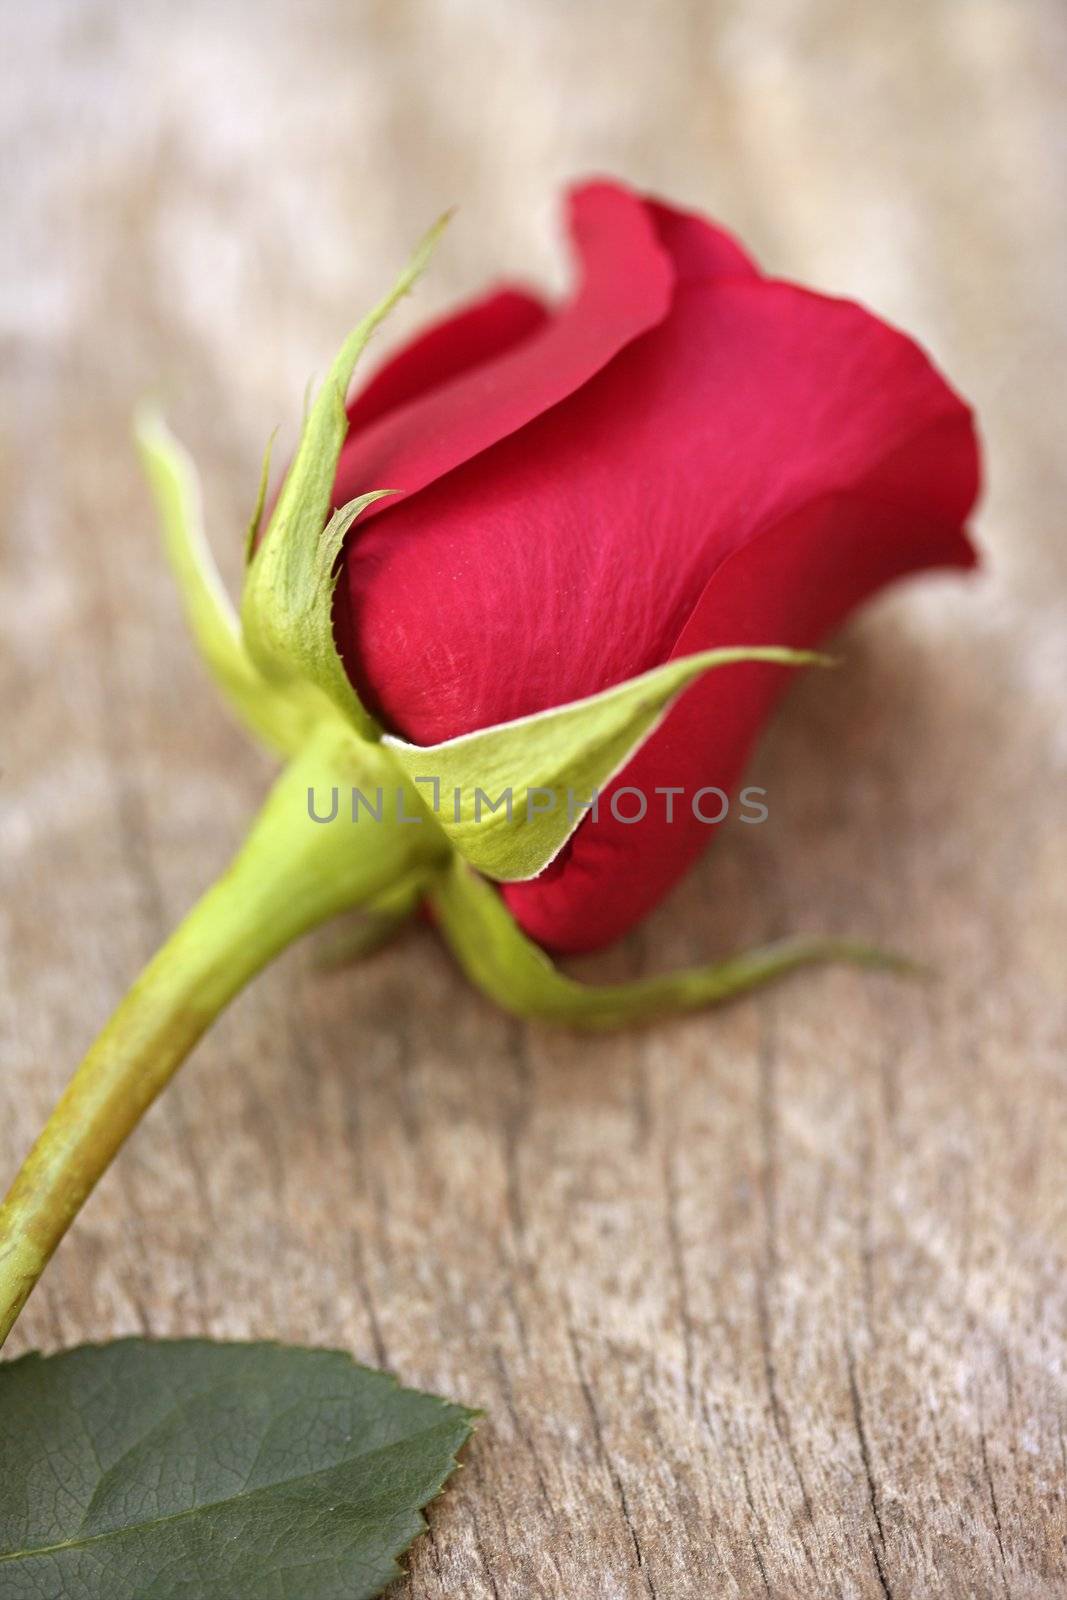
605,1455
878,1550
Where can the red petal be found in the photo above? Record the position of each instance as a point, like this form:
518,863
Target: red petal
793,584
465,339
626,286
700,250
572,555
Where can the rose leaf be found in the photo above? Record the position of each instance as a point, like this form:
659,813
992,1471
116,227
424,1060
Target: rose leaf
188,1470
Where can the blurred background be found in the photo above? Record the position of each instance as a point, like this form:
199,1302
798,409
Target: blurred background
770,1302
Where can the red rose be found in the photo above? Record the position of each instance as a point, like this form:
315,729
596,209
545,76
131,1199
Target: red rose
687,454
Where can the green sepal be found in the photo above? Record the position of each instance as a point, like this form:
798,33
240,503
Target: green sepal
313,660
569,751
282,721
287,602
256,519
516,974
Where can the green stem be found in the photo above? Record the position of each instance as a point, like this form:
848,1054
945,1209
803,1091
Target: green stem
291,874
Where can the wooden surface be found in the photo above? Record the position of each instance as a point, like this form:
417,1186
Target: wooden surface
769,1302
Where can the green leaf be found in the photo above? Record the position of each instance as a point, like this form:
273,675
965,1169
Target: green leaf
286,607
195,1471
567,752
515,973
281,721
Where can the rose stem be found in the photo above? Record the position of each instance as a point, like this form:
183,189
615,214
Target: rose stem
290,875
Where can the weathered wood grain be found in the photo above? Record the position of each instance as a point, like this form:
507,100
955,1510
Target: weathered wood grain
770,1302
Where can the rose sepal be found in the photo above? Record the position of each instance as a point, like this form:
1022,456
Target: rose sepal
276,664
286,604
516,974
280,716
565,754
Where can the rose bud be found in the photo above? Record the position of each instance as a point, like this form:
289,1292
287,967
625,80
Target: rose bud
686,454
544,555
